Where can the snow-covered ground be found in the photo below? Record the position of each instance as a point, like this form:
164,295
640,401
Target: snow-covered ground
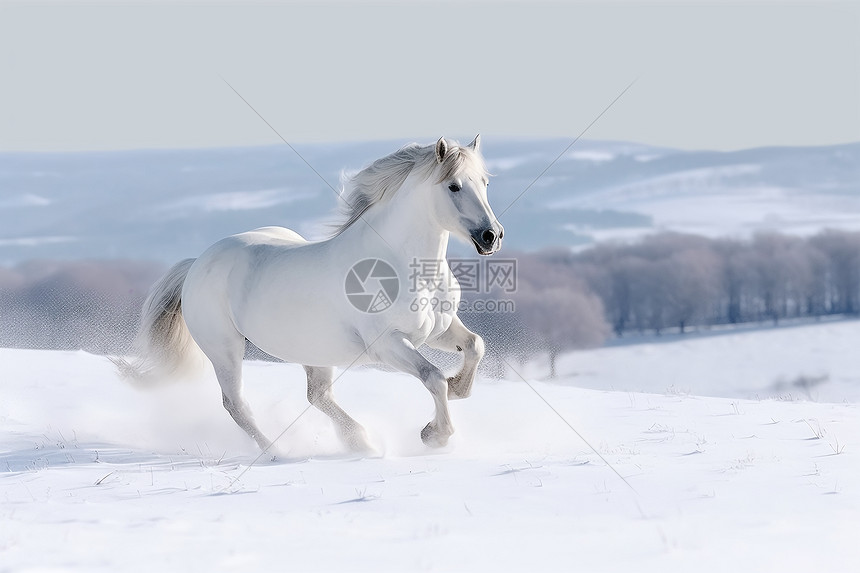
760,476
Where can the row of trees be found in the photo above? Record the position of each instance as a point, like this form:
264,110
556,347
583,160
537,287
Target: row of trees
674,280
568,300
563,300
70,305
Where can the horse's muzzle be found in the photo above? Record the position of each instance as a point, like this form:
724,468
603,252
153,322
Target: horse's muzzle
489,240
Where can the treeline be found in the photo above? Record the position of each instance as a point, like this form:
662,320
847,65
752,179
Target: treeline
674,280
71,305
567,300
563,300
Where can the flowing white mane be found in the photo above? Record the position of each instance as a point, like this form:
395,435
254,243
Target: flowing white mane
380,180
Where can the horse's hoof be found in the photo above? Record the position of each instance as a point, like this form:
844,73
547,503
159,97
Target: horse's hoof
355,438
358,443
433,438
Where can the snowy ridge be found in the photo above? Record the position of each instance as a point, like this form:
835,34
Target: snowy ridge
167,205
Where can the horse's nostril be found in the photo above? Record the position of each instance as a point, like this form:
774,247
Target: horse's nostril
488,236
502,234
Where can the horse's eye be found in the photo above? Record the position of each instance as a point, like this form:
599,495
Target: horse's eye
453,187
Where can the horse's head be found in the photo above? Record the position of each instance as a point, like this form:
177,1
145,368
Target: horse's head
460,192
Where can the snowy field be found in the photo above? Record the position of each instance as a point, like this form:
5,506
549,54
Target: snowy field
733,463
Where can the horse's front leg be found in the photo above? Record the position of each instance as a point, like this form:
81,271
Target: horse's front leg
396,350
458,338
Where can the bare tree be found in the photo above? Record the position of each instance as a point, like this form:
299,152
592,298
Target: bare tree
692,286
783,273
562,318
842,252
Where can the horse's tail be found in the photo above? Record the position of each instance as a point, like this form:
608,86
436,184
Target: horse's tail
164,346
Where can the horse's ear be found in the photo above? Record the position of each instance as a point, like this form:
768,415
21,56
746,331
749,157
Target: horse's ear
441,150
476,143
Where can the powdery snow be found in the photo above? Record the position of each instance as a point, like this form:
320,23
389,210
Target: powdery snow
98,476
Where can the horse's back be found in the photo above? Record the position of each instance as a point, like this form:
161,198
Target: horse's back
243,248
272,235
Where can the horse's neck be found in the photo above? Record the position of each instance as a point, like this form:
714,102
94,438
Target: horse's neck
406,226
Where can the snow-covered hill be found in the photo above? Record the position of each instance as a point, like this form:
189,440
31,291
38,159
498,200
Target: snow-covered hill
165,205
98,476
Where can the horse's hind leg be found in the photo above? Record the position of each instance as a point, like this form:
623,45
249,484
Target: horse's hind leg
226,357
458,338
320,381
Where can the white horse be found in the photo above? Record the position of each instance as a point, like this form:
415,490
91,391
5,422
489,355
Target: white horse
303,302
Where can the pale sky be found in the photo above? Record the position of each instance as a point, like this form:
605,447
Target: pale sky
84,76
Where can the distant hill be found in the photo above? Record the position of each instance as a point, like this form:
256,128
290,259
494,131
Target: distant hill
164,205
